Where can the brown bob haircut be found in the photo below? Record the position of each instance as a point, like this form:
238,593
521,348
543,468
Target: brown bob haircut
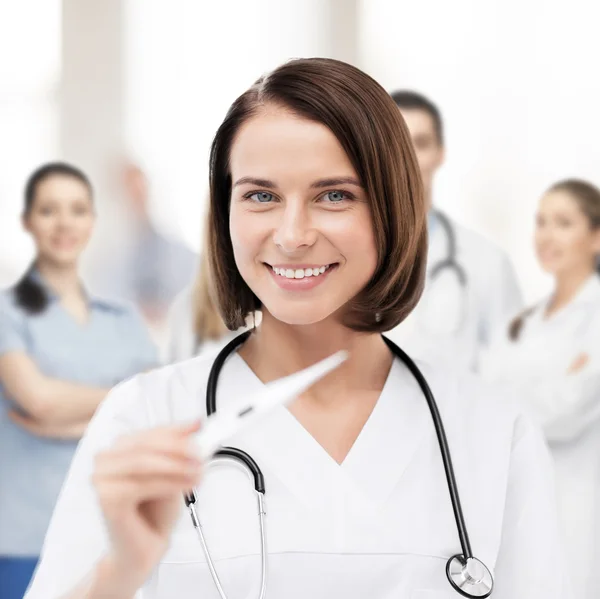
369,127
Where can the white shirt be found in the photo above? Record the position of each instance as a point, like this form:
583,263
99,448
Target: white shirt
380,525
451,324
534,370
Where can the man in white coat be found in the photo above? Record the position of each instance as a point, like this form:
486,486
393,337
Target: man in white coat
471,286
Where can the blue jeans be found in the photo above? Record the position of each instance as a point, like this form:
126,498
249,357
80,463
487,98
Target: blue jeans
15,574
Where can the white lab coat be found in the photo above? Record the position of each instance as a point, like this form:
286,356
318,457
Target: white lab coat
379,526
568,408
436,331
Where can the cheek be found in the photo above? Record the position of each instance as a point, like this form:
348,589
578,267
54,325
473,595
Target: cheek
426,159
41,228
356,240
574,243
247,234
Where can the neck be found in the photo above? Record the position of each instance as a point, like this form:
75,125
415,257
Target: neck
567,286
277,349
63,280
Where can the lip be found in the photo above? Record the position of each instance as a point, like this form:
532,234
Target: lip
64,243
298,266
304,284
548,254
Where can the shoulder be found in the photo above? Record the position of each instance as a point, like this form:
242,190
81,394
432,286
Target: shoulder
182,306
7,298
470,241
109,304
9,307
116,308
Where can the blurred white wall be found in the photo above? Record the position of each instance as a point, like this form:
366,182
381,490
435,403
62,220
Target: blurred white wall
518,86
185,64
29,78
516,83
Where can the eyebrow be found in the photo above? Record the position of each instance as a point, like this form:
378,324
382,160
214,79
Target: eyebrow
336,181
255,181
316,185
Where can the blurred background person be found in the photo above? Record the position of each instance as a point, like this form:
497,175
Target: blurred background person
61,349
471,287
150,268
194,323
549,356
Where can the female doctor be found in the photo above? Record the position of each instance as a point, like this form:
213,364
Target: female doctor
317,217
550,356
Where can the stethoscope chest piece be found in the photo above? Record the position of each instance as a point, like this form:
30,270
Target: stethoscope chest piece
471,578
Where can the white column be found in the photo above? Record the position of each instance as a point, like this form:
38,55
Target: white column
92,110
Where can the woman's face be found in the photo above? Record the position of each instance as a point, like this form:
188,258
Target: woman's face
564,239
61,219
300,221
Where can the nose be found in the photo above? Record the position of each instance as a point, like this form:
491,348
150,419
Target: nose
295,230
64,220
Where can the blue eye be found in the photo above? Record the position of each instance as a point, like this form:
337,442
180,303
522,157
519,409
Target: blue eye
335,197
262,197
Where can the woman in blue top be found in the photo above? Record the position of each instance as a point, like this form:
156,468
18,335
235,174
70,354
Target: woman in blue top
61,350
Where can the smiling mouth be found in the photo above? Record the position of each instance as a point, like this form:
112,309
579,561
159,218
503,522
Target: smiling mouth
292,272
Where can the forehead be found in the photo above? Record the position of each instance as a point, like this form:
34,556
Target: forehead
559,201
277,143
57,187
418,121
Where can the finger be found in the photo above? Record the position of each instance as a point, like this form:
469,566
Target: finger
116,496
159,442
149,464
176,432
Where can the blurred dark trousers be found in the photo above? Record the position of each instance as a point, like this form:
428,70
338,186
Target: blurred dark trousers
15,574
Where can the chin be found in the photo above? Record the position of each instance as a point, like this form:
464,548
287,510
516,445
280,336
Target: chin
303,316
63,259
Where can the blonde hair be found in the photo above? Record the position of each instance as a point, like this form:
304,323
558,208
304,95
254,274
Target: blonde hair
207,321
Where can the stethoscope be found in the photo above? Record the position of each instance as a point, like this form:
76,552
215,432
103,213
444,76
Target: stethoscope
449,265
468,576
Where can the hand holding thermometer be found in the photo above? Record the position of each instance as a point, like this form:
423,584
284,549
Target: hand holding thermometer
243,413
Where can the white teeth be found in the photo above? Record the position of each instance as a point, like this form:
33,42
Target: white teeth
299,273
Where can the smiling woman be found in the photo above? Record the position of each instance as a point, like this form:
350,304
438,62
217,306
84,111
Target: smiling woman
60,352
317,219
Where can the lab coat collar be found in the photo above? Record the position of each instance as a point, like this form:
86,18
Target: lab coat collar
375,463
589,293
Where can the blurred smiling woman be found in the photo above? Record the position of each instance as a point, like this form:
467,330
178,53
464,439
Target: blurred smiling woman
60,352
549,357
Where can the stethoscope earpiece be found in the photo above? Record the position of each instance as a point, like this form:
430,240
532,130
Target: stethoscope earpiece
471,578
